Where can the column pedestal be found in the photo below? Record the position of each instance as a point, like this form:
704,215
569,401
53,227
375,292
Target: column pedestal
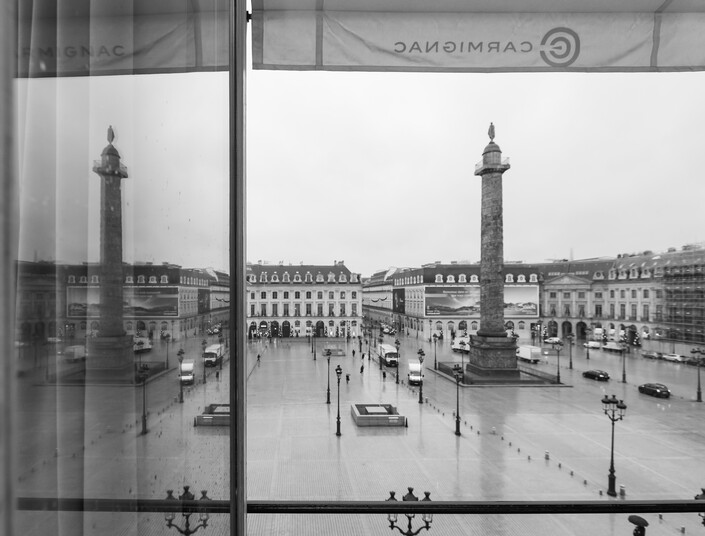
110,358
493,357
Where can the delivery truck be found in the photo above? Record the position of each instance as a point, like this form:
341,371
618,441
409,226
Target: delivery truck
414,377
530,354
186,372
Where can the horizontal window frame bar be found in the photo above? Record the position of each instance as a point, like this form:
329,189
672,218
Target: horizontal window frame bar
362,507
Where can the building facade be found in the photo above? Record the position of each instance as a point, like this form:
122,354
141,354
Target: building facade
301,300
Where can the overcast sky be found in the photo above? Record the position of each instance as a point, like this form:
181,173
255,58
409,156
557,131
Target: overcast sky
376,169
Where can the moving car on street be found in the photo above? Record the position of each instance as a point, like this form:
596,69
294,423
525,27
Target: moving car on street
655,389
592,344
652,355
553,340
676,358
599,375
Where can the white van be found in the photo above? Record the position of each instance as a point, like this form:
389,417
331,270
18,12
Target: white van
414,377
461,344
388,355
530,354
186,372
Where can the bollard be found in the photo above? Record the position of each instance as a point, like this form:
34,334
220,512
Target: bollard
622,491
600,492
545,455
682,530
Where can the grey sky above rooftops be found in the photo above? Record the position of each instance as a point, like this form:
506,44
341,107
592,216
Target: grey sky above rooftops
375,169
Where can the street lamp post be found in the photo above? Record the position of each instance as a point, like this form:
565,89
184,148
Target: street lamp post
570,350
186,512
462,355
557,347
327,354
166,364
614,409
624,366
426,518
435,360
458,375
143,377
180,355
587,342
699,393
315,346
338,373
422,354
381,340
204,343
397,344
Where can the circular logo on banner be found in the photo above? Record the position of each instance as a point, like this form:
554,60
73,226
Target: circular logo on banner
560,47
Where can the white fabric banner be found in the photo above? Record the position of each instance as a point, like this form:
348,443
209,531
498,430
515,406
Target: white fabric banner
478,42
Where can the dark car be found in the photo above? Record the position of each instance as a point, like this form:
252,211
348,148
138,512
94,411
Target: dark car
655,389
599,375
652,355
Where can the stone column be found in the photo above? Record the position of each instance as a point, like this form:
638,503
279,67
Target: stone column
491,352
111,351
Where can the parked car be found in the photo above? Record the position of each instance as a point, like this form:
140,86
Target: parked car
655,389
652,355
553,340
676,358
592,344
599,375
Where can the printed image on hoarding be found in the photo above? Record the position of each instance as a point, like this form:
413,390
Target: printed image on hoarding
84,302
465,301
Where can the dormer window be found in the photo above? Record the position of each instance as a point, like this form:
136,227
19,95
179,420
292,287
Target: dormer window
439,278
331,277
152,278
129,279
622,274
297,277
509,278
634,273
275,278
83,279
164,279
612,274
533,278
521,278
319,278
343,278
285,277
252,278
462,278
94,279
263,277
645,273
353,278
474,279
309,277
140,279
450,279
598,275
72,279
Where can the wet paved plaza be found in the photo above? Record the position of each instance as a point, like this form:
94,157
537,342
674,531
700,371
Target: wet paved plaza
294,454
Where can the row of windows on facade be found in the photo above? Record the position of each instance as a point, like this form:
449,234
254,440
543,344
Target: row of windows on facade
309,323
142,279
309,294
553,308
308,278
297,309
598,295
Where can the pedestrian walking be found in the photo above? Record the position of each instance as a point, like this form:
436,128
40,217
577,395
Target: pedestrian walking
353,352
258,359
362,368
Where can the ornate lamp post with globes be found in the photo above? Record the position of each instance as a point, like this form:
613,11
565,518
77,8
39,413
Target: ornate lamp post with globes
397,344
180,355
426,518
615,410
186,511
338,373
422,354
699,394
435,360
457,372
327,354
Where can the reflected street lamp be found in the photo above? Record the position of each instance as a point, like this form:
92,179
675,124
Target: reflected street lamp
338,373
699,397
186,511
615,410
435,360
143,376
180,355
457,372
397,344
426,518
624,366
422,354
327,353
570,348
587,342
557,347
462,355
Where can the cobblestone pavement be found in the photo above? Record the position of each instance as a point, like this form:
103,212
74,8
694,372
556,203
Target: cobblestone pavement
294,454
